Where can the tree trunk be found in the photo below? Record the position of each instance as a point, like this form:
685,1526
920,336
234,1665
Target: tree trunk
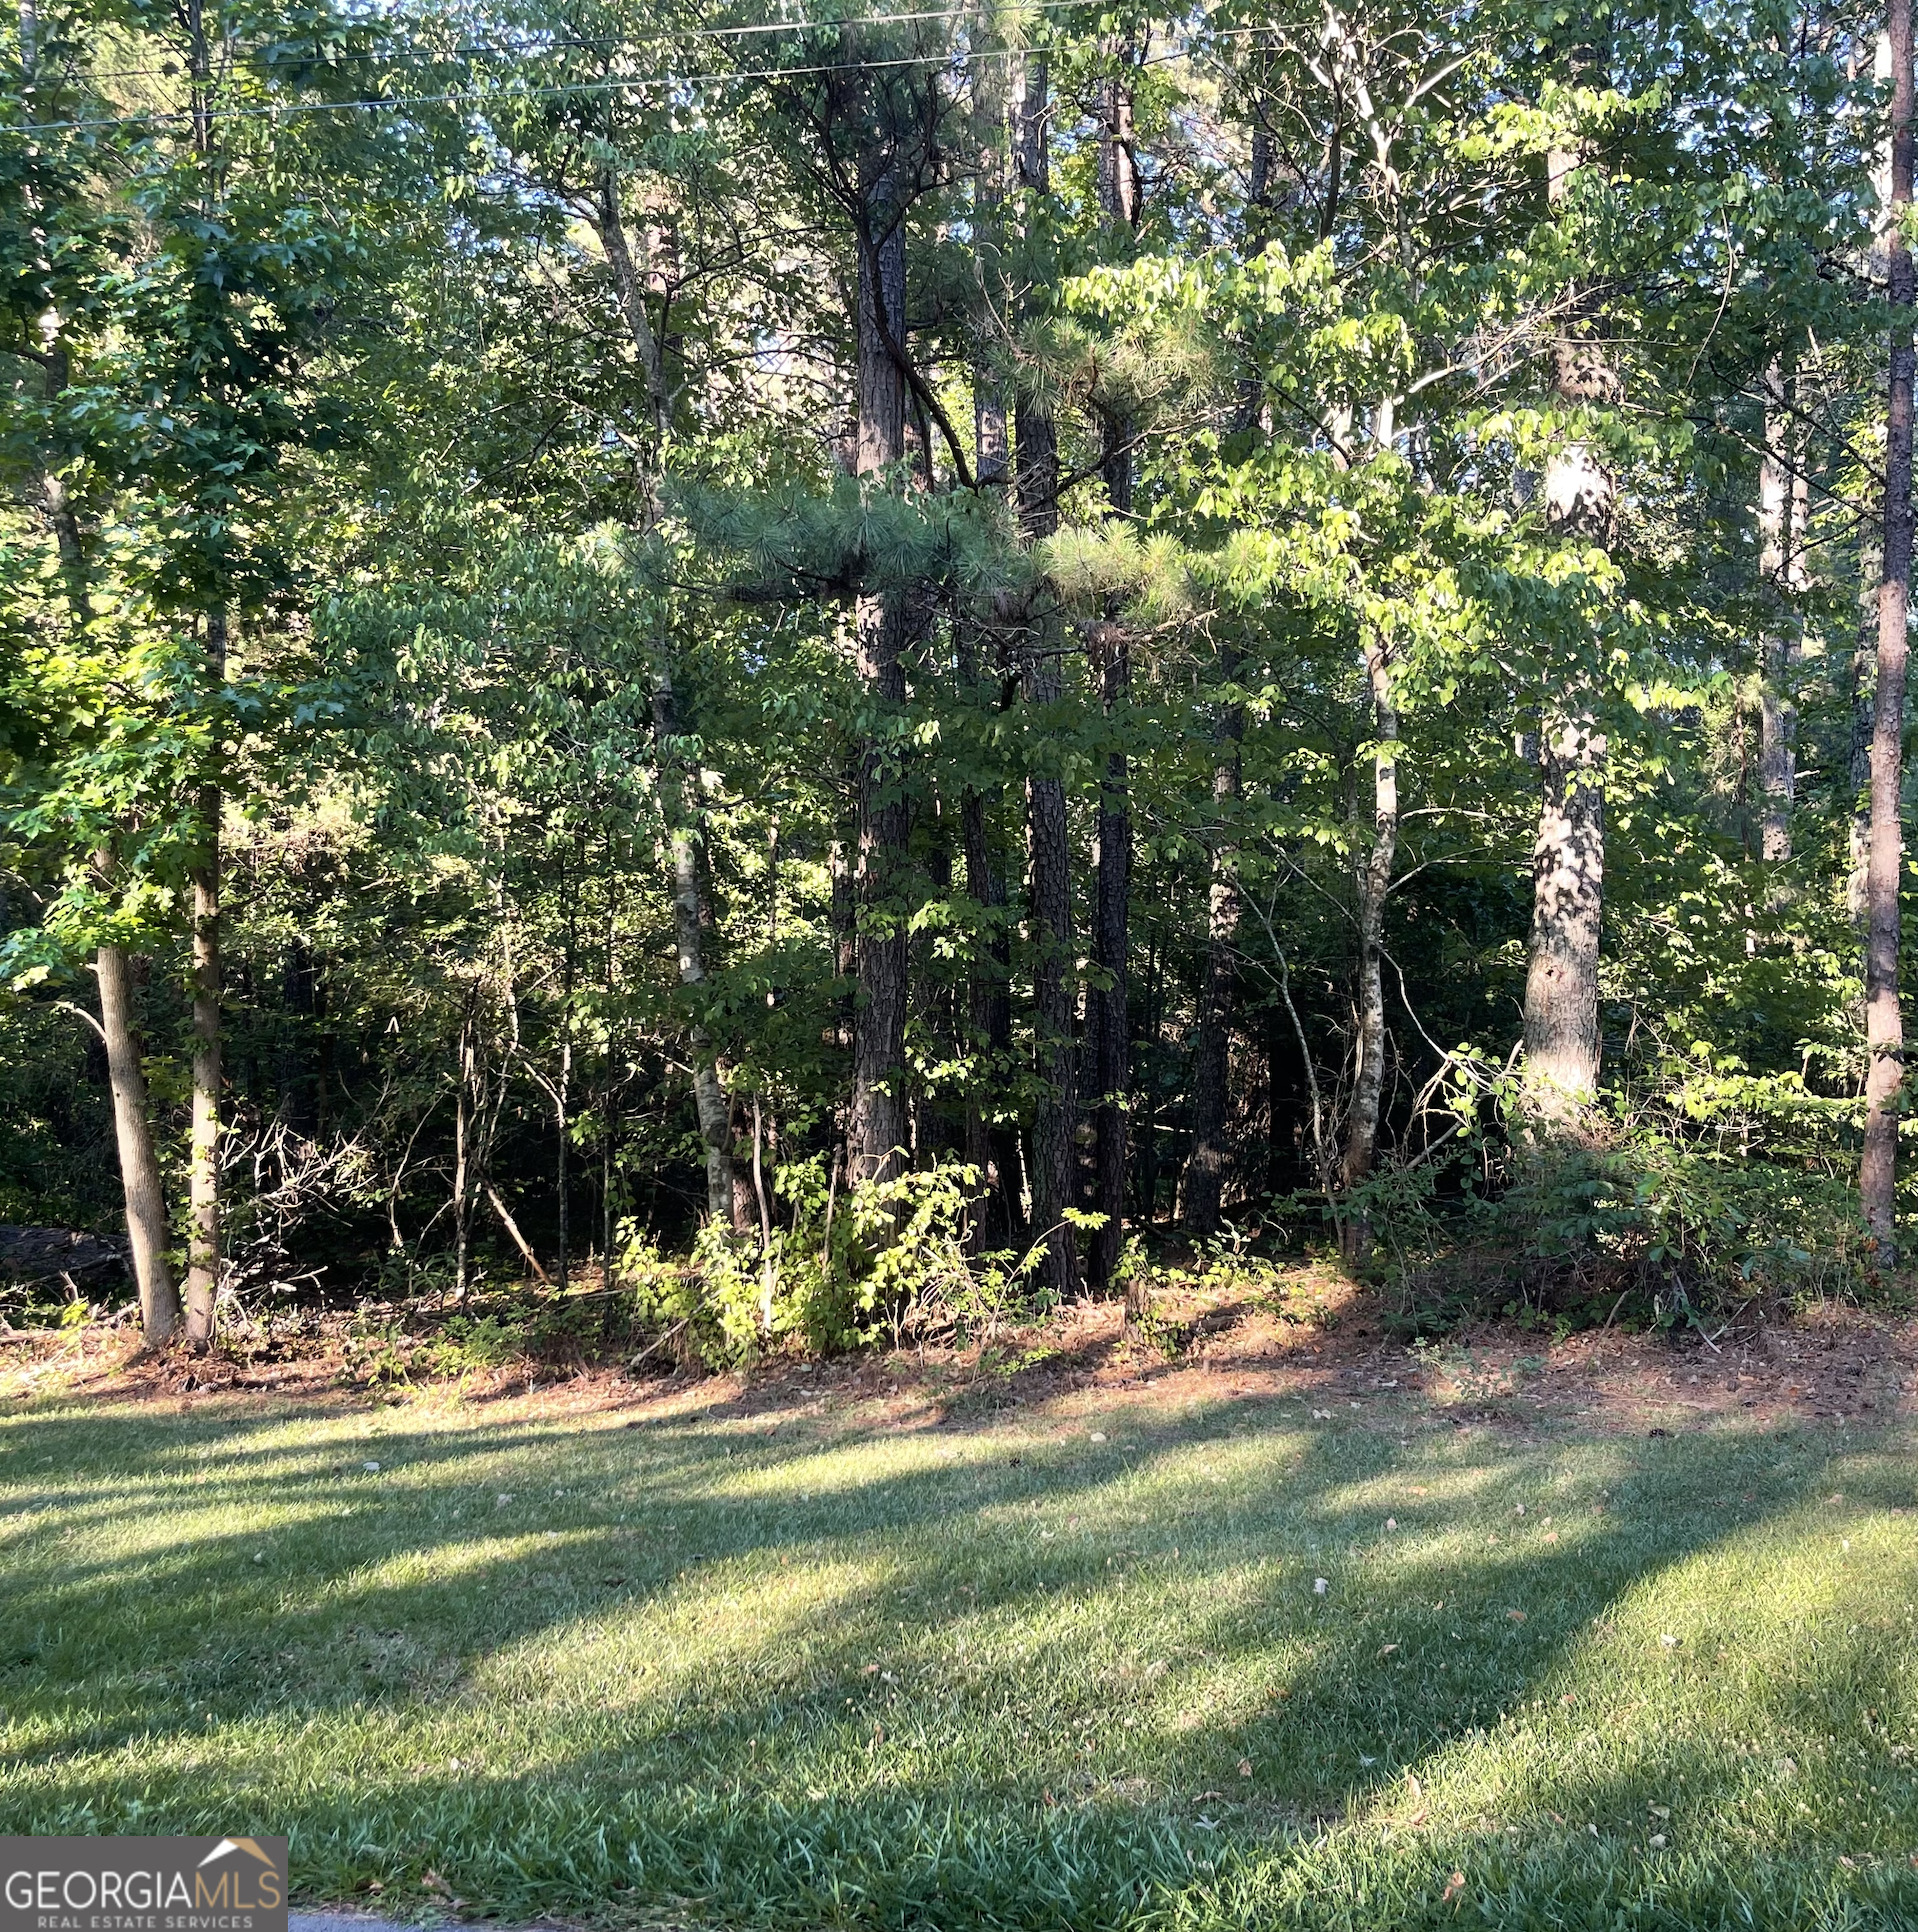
690,908
709,1100
1864,683
877,1127
609,1126
1110,658
147,1231
1560,1080
462,1151
745,1210
1035,453
1884,1014
1118,167
1778,653
203,1160
991,446
65,525
1035,435
203,1167
629,283
1374,882
1110,1011
1568,897
992,1139
148,1235
563,1087
1050,902
843,919
1202,1185
942,1007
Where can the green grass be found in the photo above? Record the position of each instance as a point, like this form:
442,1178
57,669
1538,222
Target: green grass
986,1677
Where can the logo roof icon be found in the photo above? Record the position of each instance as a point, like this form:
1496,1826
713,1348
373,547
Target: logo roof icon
226,1845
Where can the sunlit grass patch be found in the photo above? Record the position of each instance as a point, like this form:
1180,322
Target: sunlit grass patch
1228,1668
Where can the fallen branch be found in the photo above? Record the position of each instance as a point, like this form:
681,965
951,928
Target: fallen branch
512,1227
653,1347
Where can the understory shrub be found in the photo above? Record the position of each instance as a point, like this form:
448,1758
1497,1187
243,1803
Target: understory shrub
885,1260
1644,1219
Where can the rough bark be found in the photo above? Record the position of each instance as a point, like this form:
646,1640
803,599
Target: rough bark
991,444
682,831
139,1168
1374,883
992,1138
1884,1013
739,1113
1035,435
1048,854
1560,1080
1568,896
1110,655
877,1124
1864,682
842,917
1202,1185
1109,1008
1049,889
1778,648
203,1158
1118,164
64,523
998,1220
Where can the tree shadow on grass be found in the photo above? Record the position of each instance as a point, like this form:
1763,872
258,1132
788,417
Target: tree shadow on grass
826,1679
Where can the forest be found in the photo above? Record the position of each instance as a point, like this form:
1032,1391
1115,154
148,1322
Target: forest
855,666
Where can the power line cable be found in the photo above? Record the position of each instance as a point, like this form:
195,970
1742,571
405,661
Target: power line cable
615,42
613,84
563,90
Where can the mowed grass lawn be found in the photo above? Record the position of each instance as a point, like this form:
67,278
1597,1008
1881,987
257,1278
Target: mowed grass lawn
1007,1675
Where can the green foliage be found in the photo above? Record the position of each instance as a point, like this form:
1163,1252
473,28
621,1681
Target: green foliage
1644,1222
888,1261
1691,1229
464,1343
485,415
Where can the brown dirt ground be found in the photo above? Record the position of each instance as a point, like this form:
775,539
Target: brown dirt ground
1319,1341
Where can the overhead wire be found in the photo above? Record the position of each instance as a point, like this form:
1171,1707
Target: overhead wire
614,84
565,89
534,48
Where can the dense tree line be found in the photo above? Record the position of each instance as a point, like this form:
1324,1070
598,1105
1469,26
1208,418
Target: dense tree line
907,646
